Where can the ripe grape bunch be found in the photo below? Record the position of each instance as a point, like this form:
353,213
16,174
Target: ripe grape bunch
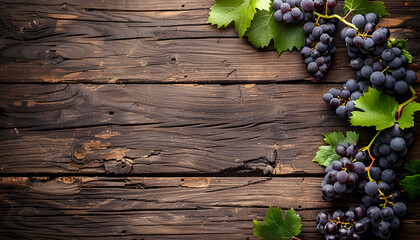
351,224
319,44
342,100
376,60
343,175
376,183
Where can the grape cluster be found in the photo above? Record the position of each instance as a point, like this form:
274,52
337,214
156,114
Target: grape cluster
342,100
385,220
341,176
375,60
391,146
350,225
292,11
319,48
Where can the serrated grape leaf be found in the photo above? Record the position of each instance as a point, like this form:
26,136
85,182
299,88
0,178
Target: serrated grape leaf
413,167
223,12
407,119
277,228
411,185
364,7
264,28
327,154
407,55
379,110
336,138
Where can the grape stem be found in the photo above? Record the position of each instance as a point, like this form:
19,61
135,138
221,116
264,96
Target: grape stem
296,238
338,17
412,99
367,148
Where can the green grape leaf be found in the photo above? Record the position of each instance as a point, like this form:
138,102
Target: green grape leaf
379,110
364,7
407,120
399,43
327,154
264,28
411,185
223,12
336,138
407,55
277,228
413,167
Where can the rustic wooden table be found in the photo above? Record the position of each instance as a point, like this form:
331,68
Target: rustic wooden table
137,120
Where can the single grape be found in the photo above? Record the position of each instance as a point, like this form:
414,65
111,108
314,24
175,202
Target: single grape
395,223
384,187
285,7
358,41
341,112
388,175
342,176
278,15
390,81
339,187
373,212
359,167
356,95
307,5
397,144
349,215
328,190
331,228
377,78
410,77
360,227
388,55
372,18
323,217
345,94
384,227
277,4
360,156
296,12
341,150
344,232
359,211
379,36
359,21
371,188
401,87
387,213
366,71
312,67
287,17
400,209
369,28
352,150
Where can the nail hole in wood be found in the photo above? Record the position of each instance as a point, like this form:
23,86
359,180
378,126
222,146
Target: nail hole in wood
111,113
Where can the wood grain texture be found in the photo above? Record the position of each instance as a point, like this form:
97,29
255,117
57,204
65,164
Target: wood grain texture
152,42
160,208
160,129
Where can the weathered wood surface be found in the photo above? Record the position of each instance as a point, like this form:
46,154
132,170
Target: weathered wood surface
152,41
160,161
159,129
160,208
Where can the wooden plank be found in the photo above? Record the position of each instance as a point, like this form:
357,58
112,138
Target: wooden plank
134,41
161,129
161,208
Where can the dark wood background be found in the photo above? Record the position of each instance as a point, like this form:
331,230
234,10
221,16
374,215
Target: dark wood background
137,120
